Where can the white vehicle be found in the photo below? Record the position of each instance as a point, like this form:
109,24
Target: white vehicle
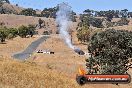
45,51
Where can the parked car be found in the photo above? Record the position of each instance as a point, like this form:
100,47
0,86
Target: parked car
45,51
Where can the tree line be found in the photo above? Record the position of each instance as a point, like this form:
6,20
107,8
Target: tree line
109,13
22,31
90,19
46,12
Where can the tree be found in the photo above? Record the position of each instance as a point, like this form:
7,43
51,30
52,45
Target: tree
89,12
3,34
40,21
45,13
1,3
95,22
23,31
124,13
5,10
31,30
49,12
9,33
16,4
28,12
109,17
116,14
108,24
111,49
1,8
13,32
91,21
129,14
83,33
123,21
7,1
72,16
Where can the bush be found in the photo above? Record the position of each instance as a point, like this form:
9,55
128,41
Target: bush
111,49
46,33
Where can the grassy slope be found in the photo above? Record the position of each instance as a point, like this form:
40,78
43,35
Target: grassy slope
29,75
18,74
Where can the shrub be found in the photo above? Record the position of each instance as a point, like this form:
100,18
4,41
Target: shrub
46,33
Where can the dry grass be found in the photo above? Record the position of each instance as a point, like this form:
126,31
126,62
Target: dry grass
16,45
66,61
18,20
43,70
12,7
18,74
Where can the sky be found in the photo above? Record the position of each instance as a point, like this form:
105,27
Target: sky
78,6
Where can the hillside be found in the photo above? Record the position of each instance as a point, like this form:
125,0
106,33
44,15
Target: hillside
29,75
12,8
18,74
9,8
43,70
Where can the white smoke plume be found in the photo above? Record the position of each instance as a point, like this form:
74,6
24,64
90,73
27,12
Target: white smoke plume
63,20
